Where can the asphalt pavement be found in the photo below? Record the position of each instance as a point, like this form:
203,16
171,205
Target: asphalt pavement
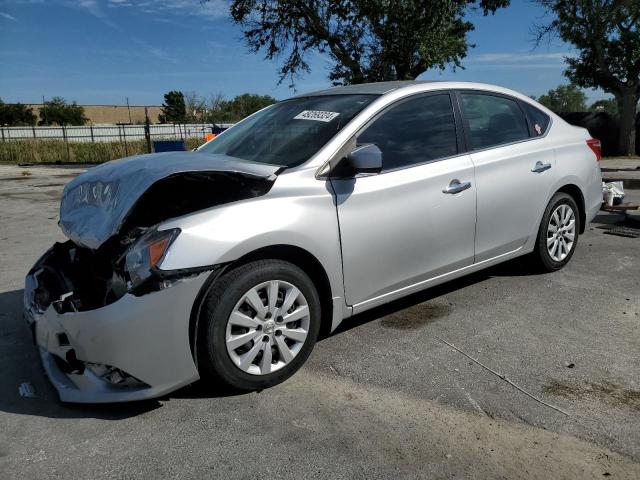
384,396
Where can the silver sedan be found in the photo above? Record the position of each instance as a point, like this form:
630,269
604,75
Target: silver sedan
226,263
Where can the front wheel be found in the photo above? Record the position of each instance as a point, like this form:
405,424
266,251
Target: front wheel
260,322
558,233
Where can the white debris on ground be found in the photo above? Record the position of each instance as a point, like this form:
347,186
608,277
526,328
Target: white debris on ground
612,193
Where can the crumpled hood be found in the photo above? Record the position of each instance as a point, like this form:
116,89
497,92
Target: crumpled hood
96,204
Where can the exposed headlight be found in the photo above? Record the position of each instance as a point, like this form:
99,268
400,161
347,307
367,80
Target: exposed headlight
147,253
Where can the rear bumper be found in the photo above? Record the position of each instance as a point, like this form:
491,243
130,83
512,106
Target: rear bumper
593,196
592,211
144,339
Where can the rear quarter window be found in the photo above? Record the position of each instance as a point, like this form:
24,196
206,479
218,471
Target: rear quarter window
539,120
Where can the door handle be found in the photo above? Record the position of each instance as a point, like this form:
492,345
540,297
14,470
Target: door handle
456,186
541,167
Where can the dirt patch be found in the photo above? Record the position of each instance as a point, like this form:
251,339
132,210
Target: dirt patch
34,197
67,175
31,177
417,316
606,392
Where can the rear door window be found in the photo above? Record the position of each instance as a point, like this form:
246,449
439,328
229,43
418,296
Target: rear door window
493,120
415,131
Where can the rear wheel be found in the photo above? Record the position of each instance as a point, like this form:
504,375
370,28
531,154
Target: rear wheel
259,324
558,233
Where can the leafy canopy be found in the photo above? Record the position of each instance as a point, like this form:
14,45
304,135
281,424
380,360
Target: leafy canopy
216,109
58,112
240,107
606,34
174,109
608,105
365,40
565,98
16,114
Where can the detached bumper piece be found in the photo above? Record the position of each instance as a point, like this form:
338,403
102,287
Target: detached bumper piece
122,348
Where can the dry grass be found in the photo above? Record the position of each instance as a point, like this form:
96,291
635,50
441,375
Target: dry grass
56,151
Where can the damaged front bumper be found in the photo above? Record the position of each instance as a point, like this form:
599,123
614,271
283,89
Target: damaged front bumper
133,348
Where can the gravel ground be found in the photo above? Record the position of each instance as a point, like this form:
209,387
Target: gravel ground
383,396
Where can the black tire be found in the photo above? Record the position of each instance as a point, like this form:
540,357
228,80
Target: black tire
541,256
215,363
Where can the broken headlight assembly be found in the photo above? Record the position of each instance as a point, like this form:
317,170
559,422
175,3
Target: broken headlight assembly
143,257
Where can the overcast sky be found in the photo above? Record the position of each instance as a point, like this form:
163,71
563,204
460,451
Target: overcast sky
102,51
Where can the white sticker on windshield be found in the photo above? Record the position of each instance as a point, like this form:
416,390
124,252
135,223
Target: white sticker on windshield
317,115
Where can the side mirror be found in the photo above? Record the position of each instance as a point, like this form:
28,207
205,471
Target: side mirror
365,159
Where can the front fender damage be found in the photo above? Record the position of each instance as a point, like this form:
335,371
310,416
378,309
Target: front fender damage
113,198
106,209
98,341
91,324
132,349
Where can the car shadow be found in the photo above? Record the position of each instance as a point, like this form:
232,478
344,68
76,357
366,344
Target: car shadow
20,363
615,219
514,268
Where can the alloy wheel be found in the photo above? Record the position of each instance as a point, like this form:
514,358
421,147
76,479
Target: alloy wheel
267,327
561,232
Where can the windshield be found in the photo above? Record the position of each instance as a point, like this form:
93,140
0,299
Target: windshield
290,132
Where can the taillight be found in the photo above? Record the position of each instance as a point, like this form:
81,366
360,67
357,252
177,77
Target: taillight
595,145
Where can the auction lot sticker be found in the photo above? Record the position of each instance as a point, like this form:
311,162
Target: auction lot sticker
317,115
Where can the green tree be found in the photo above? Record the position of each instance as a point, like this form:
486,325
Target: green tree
174,109
244,105
609,105
16,114
57,111
606,35
227,111
565,98
366,40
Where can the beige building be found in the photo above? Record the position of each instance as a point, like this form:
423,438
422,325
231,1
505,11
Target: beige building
111,114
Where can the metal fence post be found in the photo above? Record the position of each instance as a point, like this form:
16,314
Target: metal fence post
92,139
147,129
11,153
66,142
2,130
124,135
